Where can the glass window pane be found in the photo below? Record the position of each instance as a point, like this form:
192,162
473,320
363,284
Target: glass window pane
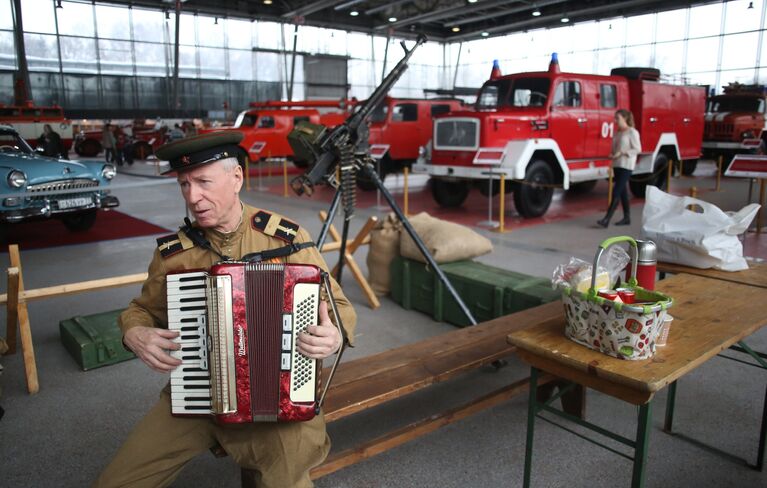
705,20
6,15
42,52
740,50
702,54
585,36
612,33
609,59
186,30
668,57
740,18
115,57
707,78
639,55
268,35
75,19
268,66
148,25
112,22
150,59
78,55
212,63
7,51
240,64
641,29
37,16
211,31
744,76
671,25
359,45
239,34
187,66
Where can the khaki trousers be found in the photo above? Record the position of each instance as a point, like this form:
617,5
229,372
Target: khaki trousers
160,445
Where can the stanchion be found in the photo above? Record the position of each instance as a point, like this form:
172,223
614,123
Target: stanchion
694,192
247,173
285,177
502,205
489,222
405,209
719,173
610,187
670,174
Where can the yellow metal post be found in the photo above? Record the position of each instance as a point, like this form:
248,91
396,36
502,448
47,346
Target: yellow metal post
694,191
406,193
502,205
285,177
719,173
610,187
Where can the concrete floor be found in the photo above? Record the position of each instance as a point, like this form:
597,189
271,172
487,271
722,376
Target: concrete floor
65,434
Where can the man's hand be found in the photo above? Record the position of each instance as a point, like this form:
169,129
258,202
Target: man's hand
320,341
150,344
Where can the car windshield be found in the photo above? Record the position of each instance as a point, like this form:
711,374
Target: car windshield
10,141
379,114
245,119
518,92
736,104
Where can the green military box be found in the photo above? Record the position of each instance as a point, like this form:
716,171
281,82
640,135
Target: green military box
94,340
489,292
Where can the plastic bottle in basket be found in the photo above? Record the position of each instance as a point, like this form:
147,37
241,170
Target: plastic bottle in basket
647,263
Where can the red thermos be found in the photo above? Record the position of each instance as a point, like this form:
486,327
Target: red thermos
647,262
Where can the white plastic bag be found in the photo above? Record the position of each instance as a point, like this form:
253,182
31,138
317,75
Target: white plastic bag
701,240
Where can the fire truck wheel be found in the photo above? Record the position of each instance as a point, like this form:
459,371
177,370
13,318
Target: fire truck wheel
81,221
533,201
141,150
582,187
449,193
688,166
638,183
88,148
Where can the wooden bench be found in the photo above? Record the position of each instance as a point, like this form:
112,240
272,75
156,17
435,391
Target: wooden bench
370,381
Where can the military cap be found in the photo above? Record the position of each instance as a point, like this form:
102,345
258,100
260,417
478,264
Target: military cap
192,152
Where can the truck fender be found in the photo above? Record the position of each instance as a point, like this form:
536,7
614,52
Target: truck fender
645,161
518,154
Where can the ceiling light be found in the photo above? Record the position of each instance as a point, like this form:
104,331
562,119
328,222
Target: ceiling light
267,2
456,29
392,19
58,4
485,34
565,20
354,13
536,13
472,1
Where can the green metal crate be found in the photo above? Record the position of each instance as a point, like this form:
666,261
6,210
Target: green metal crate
94,340
489,292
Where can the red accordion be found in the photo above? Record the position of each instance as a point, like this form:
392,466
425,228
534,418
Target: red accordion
238,325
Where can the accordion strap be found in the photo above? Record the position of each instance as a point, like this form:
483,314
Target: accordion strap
280,252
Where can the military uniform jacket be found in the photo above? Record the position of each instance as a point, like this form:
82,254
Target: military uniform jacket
259,230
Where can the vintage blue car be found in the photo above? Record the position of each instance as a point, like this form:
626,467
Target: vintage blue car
33,186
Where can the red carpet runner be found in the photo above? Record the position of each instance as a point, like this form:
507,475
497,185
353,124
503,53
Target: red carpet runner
50,233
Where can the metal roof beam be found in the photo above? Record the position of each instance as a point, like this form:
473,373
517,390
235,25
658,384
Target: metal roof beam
381,8
310,8
445,13
500,13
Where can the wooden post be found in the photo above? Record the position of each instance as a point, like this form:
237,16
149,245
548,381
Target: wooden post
406,193
502,205
12,308
670,174
285,178
247,172
610,187
28,350
719,173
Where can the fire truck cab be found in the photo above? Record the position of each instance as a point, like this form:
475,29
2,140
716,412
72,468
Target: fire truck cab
550,129
28,120
735,122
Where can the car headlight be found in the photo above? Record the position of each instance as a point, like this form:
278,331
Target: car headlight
108,172
17,178
747,135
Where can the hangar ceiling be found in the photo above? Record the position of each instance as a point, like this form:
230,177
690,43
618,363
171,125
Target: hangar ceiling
441,20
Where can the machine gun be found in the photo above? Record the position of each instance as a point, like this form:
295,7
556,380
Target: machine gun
313,142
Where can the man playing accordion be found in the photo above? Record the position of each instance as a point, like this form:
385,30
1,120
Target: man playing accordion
224,229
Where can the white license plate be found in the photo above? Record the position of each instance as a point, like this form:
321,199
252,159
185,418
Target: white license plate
74,202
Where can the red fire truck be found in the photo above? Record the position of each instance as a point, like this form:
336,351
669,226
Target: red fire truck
400,126
28,120
735,122
266,125
551,129
146,139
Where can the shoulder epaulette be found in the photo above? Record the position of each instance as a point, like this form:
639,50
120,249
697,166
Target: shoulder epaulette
173,244
274,225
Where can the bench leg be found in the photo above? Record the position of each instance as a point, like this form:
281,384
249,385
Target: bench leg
532,410
640,448
668,424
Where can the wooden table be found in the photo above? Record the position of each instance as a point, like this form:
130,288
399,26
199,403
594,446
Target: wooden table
710,315
755,275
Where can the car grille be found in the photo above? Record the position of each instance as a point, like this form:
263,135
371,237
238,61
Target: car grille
75,184
719,129
456,134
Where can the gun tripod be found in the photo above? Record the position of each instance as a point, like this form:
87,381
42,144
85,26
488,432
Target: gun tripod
349,166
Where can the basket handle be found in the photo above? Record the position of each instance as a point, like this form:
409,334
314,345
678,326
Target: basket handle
603,247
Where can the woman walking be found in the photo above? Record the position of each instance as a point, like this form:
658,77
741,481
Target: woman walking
626,147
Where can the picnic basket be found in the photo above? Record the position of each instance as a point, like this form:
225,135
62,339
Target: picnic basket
625,331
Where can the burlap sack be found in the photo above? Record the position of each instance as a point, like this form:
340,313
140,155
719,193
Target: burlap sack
384,246
447,241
